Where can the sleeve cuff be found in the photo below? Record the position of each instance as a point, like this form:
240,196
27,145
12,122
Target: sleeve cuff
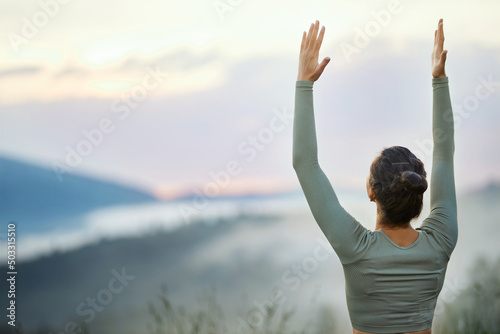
439,81
304,83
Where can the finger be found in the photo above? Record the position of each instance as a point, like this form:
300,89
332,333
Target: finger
315,31
441,29
319,41
314,34
440,36
309,36
303,42
324,62
435,44
443,57
321,67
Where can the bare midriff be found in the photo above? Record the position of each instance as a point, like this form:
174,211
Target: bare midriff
427,331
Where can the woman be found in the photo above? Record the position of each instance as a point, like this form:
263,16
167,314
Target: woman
393,274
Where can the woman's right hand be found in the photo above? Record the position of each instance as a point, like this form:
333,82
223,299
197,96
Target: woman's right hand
438,54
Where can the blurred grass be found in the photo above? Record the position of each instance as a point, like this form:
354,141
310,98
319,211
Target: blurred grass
210,318
474,310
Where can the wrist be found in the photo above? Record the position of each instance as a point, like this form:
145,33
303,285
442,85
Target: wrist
442,75
303,78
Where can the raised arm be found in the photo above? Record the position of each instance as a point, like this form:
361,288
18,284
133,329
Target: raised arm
346,235
305,149
443,214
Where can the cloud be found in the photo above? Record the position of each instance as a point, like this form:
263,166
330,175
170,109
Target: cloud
21,71
71,70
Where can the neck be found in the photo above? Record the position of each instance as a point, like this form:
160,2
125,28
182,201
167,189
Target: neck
383,226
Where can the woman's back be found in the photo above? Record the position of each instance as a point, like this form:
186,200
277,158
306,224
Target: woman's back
394,287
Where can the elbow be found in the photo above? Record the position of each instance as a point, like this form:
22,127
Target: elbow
301,163
296,164
297,160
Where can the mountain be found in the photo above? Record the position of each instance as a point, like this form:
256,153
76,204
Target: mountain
242,256
34,197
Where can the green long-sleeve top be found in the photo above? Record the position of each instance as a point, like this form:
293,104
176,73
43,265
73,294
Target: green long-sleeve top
389,288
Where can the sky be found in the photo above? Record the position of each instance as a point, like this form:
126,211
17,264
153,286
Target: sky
176,97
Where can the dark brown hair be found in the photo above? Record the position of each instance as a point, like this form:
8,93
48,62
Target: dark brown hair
398,179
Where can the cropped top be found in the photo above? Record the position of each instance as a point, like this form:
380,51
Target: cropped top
389,288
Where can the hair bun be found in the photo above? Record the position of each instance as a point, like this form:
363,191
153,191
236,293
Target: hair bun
414,182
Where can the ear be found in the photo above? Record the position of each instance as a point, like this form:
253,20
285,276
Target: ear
371,194
369,191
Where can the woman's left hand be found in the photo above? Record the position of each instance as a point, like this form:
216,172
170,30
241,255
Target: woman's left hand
309,69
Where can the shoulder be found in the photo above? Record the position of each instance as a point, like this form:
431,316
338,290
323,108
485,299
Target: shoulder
437,240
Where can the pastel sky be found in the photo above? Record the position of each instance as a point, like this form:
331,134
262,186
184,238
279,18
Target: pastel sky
161,95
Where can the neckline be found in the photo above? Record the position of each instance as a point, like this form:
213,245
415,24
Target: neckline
398,246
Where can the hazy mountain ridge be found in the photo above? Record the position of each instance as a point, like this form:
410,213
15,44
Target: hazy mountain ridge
33,196
64,280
